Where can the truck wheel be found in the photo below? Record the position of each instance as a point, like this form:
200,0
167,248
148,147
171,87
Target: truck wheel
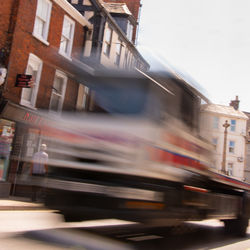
236,227
69,217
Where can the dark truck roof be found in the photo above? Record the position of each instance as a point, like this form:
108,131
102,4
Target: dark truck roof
143,78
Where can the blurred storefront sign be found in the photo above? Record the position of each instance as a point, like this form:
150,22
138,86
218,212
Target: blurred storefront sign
20,114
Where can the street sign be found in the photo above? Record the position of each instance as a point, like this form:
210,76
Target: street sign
24,81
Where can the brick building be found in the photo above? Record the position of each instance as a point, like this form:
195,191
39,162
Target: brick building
48,48
44,39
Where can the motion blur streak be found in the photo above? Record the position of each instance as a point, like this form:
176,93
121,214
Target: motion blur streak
139,155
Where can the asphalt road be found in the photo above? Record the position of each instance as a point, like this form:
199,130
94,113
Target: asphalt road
47,230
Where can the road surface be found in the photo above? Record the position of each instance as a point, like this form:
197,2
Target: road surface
45,229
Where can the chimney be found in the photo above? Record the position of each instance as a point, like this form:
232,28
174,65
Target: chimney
235,103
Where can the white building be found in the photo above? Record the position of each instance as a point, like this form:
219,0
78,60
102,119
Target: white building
213,117
247,166
119,50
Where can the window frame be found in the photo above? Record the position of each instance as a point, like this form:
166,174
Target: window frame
129,32
68,51
118,53
86,95
129,59
44,36
82,98
215,142
62,75
216,120
231,148
230,166
32,60
232,126
125,61
107,44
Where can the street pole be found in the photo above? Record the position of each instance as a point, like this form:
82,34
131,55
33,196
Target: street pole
223,165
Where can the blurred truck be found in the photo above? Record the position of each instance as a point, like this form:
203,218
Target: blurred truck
139,156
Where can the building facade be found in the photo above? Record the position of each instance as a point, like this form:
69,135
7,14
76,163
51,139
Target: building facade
247,167
48,48
112,42
134,7
213,117
42,52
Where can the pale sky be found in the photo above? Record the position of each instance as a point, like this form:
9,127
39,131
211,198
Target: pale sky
208,39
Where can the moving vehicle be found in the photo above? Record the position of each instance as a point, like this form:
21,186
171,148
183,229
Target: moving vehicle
140,157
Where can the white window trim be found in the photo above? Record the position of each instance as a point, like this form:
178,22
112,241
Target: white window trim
65,56
125,60
118,54
215,122
129,32
230,169
233,125
83,93
38,36
231,147
65,5
85,96
41,40
215,142
109,43
65,80
61,52
33,59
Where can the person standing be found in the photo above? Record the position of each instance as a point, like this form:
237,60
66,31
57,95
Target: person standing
39,168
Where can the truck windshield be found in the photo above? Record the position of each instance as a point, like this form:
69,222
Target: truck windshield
121,97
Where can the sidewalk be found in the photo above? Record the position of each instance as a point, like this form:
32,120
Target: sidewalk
19,203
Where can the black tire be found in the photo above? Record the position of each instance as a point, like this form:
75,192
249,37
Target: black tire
237,227
71,217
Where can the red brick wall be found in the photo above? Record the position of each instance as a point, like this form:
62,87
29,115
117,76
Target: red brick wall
24,43
7,20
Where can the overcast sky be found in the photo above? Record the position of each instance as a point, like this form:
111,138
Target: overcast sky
208,39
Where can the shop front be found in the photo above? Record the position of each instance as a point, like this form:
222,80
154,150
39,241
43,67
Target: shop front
7,132
19,140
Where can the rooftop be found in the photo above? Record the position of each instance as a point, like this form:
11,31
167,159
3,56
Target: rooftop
119,8
223,110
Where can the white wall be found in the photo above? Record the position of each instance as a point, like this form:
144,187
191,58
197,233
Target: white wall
237,136
109,61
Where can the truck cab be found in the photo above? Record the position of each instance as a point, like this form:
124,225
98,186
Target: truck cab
138,156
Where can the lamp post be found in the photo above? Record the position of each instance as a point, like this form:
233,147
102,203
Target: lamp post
223,165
